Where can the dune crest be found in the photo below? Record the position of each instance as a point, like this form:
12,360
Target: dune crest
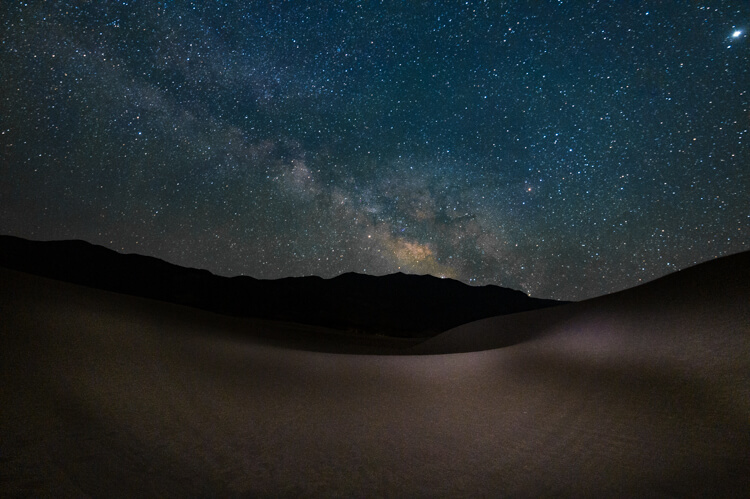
700,300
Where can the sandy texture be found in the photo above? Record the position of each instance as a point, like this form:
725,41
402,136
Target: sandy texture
639,394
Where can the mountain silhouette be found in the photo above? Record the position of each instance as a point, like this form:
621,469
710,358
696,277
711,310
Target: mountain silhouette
393,305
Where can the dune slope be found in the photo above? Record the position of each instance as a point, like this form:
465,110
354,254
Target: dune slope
639,394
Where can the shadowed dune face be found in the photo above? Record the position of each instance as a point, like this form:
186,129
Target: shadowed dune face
619,396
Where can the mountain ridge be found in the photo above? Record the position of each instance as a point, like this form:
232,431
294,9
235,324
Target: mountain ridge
399,304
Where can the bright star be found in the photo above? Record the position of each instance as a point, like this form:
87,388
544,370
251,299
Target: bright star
737,34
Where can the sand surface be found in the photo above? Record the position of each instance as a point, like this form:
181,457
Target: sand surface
645,393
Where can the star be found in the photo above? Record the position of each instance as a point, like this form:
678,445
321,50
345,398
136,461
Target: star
737,33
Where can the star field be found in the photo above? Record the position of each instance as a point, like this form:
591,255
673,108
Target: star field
564,149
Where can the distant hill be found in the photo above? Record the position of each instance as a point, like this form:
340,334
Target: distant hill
393,305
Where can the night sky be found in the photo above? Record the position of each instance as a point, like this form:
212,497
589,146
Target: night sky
560,148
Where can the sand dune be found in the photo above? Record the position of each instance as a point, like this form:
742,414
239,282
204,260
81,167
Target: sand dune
642,393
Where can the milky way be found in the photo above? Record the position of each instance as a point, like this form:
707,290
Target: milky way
560,148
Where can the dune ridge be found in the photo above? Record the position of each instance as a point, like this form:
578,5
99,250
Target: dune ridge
717,287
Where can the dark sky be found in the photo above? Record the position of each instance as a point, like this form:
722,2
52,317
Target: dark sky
560,148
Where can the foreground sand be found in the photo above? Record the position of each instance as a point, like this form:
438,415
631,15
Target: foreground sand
644,393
